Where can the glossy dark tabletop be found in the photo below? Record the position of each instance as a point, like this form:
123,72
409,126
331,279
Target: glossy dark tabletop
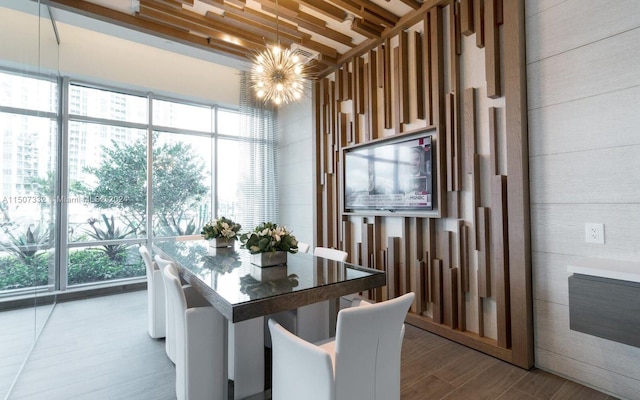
241,290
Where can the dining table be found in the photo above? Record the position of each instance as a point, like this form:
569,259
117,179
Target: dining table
245,293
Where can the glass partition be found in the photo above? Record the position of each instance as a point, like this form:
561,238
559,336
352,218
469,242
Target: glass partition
29,135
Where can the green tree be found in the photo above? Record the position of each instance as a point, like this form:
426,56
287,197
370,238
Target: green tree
178,176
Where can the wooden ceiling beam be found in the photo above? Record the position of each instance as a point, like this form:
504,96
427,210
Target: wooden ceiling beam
367,28
265,32
286,8
200,24
326,9
150,27
378,10
327,32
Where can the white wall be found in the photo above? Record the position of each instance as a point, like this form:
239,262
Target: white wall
105,59
584,151
296,168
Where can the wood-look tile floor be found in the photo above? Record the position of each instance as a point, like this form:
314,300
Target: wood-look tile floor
99,349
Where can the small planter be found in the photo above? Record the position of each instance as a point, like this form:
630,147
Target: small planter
269,259
221,242
268,274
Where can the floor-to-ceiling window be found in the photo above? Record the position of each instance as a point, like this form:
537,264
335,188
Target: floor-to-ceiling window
135,166
28,143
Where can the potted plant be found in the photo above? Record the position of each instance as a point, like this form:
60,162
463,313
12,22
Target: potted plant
269,244
222,232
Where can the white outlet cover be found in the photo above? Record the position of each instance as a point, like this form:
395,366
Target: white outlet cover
594,233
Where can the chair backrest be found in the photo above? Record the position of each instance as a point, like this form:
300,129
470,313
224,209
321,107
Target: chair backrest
175,298
332,254
303,247
368,347
149,265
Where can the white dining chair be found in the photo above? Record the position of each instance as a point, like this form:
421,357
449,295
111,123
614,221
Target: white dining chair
245,348
362,362
303,247
199,352
170,324
155,296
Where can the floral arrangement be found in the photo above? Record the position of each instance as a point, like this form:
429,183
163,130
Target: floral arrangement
269,237
221,228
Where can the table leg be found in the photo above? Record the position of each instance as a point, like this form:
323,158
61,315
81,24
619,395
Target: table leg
247,361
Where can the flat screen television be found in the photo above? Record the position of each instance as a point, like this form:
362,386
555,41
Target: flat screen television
393,175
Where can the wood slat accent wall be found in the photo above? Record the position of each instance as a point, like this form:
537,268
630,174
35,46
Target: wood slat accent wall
468,258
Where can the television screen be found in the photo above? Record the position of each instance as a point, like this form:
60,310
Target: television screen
390,176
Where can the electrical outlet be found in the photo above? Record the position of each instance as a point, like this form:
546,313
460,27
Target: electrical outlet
594,233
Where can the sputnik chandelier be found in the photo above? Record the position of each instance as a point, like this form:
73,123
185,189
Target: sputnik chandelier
278,74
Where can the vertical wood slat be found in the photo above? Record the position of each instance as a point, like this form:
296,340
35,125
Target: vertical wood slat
463,237
518,194
499,12
403,76
456,31
359,85
330,152
457,153
500,244
388,95
397,117
383,264
437,67
332,108
347,77
393,266
339,84
380,68
331,211
492,50
493,142
428,83
453,204
454,76
355,86
367,244
469,128
420,286
430,254
405,268
484,266
416,244
365,101
478,18
462,307
419,68
343,126
446,255
436,290
377,245
372,113
448,144
347,237
480,316
450,284
428,293
466,17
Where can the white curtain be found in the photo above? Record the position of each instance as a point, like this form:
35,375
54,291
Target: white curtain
259,130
